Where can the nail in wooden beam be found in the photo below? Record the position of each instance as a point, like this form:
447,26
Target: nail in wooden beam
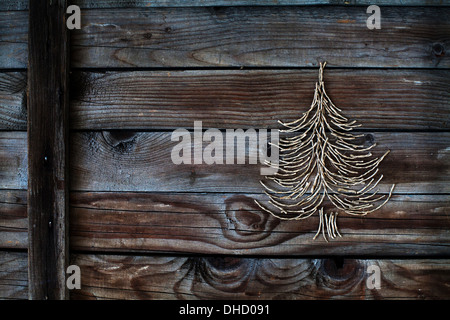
47,149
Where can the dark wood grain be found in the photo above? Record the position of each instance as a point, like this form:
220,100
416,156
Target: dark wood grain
378,99
129,198
207,3
13,219
232,224
13,39
23,4
13,104
262,37
47,149
13,160
141,161
411,100
13,275
165,277
270,36
13,5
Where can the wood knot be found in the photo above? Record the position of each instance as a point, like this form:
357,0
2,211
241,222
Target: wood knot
370,138
122,141
246,222
438,50
338,268
211,272
147,35
340,274
219,12
224,263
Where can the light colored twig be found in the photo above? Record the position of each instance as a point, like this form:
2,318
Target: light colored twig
322,159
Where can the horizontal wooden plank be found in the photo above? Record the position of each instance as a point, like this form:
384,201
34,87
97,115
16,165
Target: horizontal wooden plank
163,277
166,222
271,36
141,161
13,101
416,100
378,99
13,160
13,5
13,275
13,219
218,3
13,39
100,4
262,36
233,224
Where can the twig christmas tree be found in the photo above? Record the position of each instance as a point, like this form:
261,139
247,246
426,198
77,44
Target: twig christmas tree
321,159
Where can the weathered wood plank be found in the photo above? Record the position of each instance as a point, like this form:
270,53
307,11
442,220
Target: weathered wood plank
13,275
13,105
141,161
207,3
48,111
13,219
233,224
230,223
165,277
271,36
13,5
13,39
262,36
147,100
100,4
13,160
140,277
379,99
225,99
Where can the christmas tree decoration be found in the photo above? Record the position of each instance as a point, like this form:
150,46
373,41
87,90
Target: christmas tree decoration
321,159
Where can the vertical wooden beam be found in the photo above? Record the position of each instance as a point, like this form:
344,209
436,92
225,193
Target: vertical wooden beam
47,149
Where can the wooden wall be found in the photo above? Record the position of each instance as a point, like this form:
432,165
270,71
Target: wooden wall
144,228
